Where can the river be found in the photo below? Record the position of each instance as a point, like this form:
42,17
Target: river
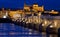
12,30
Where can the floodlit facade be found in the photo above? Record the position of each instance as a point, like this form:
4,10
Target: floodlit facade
38,8
53,12
41,8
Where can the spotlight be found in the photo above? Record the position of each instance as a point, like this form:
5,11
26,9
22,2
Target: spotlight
4,16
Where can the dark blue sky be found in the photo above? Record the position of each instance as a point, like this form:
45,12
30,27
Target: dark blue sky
14,4
52,4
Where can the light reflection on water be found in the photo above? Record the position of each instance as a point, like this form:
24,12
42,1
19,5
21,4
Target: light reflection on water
49,35
11,30
8,29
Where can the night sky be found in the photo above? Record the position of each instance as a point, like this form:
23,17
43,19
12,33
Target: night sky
18,4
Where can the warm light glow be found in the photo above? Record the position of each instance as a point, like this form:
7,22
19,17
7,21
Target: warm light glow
27,22
16,15
52,10
39,14
51,26
23,21
55,23
42,24
4,16
35,5
45,22
41,8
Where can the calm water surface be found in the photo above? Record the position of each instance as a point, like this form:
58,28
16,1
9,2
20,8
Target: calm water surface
12,30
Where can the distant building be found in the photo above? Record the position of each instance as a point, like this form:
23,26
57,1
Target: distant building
38,8
26,7
41,8
34,7
53,12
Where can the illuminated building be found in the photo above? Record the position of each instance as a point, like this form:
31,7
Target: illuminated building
3,13
35,7
26,8
53,12
41,9
38,8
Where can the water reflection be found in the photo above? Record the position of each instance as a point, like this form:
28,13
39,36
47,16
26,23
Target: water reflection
9,29
52,35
